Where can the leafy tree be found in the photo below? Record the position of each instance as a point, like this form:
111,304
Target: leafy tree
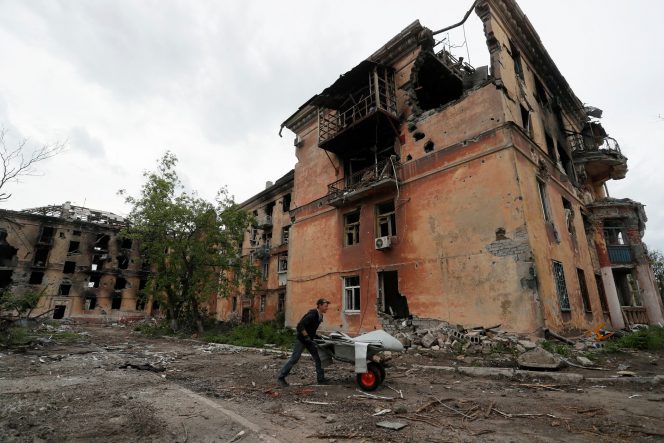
656,259
22,304
192,245
16,163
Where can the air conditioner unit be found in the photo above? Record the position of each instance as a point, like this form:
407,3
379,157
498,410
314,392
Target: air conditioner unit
382,243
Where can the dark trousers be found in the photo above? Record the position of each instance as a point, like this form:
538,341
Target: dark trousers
298,347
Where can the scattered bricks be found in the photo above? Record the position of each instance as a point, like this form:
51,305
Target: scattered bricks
428,340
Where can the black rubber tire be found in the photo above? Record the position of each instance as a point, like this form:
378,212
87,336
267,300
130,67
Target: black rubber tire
381,369
370,380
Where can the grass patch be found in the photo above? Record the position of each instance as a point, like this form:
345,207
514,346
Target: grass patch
154,329
254,335
16,336
647,339
557,348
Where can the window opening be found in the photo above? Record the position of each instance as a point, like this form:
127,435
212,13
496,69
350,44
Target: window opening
627,287
123,262
76,233
540,92
544,202
69,268
90,302
352,228
234,304
352,294
265,269
389,299
120,283
285,203
263,301
561,287
281,303
94,282
550,146
125,243
602,294
5,278
282,265
516,58
36,278
59,312
584,290
613,232
47,235
74,248
525,121
285,232
101,242
386,220
116,300
569,216
64,289
41,256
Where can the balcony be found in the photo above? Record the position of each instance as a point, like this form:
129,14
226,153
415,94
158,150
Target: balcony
368,181
602,160
264,221
620,254
357,109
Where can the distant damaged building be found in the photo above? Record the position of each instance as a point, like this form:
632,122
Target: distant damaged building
75,257
425,187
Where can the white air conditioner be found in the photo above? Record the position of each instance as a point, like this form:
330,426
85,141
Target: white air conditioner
382,243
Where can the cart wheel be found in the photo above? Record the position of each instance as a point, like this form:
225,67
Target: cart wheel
369,380
381,369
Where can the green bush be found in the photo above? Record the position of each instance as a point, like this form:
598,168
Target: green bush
254,335
646,339
557,348
15,336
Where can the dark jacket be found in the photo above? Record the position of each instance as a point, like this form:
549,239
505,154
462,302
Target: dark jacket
309,323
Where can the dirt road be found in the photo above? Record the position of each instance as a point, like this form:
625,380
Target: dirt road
112,385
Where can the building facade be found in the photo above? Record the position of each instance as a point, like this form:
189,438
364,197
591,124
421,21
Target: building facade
265,245
76,258
425,187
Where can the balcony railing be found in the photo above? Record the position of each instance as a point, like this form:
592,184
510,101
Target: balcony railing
364,180
635,315
577,143
620,254
379,95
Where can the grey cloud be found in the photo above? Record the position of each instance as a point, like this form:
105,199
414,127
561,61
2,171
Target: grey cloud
81,140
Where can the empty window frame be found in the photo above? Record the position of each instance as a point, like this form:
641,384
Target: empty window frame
76,232
282,264
234,304
263,302
386,222
544,201
94,281
550,146
69,267
47,234
352,293
120,283
125,243
561,287
352,228
583,287
525,121
569,215
36,278
265,269
285,203
281,302
516,58
540,92
90,302
285,233
116,300
64,289
602,294
74,248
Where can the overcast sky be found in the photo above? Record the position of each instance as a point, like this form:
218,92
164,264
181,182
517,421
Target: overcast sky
123,81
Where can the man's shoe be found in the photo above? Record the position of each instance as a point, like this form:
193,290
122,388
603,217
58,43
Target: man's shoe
282,382
323,381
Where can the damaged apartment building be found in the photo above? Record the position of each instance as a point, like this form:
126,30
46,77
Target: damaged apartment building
265,245
430,189
76,258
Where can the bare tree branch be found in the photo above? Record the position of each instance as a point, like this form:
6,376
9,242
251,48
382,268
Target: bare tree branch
16,163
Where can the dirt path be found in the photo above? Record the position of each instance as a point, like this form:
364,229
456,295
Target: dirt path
114,385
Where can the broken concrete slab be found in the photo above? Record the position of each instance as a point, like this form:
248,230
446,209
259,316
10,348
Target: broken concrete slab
527,344
584,361
539,358
428,340
394,425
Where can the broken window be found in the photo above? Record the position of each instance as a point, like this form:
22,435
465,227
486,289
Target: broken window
101,242
352,228
436,80
265,269
614,233
97,262
544,202
5,278
352,293
36,278
253,237
389,298
125,243
550,146
123,262
602,294
140,303
90,302
284,235
525,121
59,312
285,203
627,287
569,216
64,289
281,302
516,58
142,283
74,248
7,251
263,302
69,268
76,233
565,163
95,280
116,300
234,304
268,210
561,287
120,283
47,235
282,264
540,92
386,224
41,256
585,297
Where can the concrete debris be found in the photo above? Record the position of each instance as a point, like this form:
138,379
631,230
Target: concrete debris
394,425
539,359
584,361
